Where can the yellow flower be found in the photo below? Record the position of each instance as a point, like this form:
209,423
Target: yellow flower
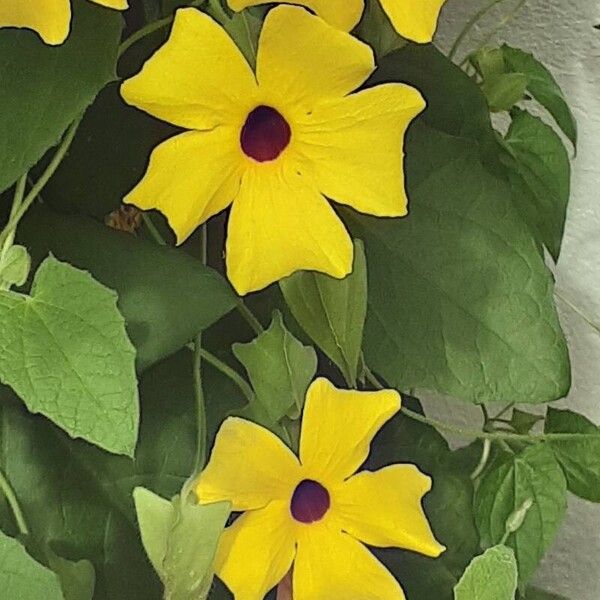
50,18
274,143
414,20
313,511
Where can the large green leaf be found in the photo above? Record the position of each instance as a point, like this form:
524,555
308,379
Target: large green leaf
166,296
280,368
67,355
45,88
460,300
535,476
543,87
332,311
21,577
580,459
541,162
491,576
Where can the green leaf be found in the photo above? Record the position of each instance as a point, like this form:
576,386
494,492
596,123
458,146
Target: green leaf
280,368
191,548
181,539
504,91
77,578
165,295
332,311
491,576
541,162
14,266
23,578
488,62
543,87
460,300
155,518
523,422
579,459
50,87
532,475
66,354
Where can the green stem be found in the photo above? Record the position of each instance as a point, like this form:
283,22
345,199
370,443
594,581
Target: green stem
485,455
17,201
11,498
470,24
249,317
482,435
41,182
151,227
200,405
228,371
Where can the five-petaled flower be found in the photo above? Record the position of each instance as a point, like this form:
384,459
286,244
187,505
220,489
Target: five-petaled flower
274,143
414,20
51,19
312,511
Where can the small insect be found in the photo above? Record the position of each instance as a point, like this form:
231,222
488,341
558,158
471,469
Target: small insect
126,218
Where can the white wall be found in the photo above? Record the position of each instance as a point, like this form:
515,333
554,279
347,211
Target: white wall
561,34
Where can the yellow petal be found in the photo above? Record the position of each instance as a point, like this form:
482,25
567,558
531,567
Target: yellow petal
338,426
278,224
198,79
302,59
257,551
51,19
331,564
342,14
116,4
414,20
355,145
383,508
249,466
191,177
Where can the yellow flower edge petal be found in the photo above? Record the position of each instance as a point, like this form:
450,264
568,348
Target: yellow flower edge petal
51,19
383,508
190,178
342,14
278,225
414,20
249,466
301,59
332,564
198,79
116,4
355,146
257,551
338,427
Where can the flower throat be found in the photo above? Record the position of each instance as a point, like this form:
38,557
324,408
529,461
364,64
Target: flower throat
265,134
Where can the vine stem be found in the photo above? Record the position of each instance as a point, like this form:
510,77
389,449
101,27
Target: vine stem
14,220
228,371
482,435
578,311
11,498
470,24
485,455
249,317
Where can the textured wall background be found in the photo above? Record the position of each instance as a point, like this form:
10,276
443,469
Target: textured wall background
561,34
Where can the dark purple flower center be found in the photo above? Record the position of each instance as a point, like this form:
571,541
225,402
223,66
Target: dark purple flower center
310,501
265,134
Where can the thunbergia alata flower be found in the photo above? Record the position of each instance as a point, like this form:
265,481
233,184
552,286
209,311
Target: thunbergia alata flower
275,143
312,511
414,20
